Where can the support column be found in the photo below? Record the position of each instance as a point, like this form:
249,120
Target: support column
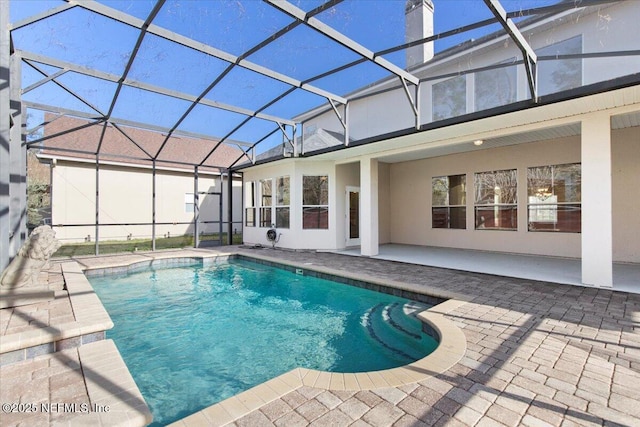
97,245
196,209
597,240
230,207
153,205
369,204
5,125
18,178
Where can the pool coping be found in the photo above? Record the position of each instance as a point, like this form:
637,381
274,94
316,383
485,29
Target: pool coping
91,322
451,348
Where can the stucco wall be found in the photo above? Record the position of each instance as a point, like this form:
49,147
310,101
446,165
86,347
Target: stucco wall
296,237
73,197
126,197
603,30
384,203
625,152
411,199
340,176
346,175
257,235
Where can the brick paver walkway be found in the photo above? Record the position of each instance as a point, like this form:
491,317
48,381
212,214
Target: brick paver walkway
538,354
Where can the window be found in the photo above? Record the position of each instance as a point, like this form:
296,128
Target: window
554,195
282,202
496,200
315,202
495,87
560,74
250,203
449,98
266,202
189,202
448,199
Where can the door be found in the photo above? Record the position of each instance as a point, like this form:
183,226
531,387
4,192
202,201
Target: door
353,216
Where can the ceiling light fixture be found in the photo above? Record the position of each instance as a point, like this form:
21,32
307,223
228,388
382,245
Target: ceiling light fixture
478,142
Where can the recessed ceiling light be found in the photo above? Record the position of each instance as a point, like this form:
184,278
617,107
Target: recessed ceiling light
478,142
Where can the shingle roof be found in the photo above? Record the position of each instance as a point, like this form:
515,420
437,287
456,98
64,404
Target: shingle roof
178,151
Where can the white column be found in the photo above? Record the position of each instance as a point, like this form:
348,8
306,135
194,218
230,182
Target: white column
597,246
369,207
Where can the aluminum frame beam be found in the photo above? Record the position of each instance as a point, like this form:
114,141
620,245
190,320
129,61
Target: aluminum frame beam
156,30
299,14
6,145
530,57
29,56
18,159
40,16
122,122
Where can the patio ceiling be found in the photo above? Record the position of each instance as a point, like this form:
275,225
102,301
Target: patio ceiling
236,75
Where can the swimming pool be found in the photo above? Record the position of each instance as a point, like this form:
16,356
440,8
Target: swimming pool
195,335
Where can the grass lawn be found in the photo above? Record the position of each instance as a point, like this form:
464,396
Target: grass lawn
119,246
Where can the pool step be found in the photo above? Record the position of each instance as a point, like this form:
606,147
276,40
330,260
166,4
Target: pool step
395,330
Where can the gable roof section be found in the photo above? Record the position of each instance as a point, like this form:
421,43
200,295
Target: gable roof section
130,146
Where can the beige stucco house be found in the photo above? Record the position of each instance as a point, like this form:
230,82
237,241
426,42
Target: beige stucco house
120,192
471,160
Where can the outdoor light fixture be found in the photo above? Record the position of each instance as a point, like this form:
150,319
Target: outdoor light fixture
478,142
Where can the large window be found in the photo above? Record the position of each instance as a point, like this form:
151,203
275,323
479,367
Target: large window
554,196
560,74
449,98
495,87
315,202
250,203
282,202
266,202
496,200
448,202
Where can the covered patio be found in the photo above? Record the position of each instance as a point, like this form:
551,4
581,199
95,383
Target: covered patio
626,276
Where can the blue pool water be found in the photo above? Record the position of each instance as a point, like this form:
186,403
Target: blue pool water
193,336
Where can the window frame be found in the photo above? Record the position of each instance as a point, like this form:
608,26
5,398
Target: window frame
499,207
556,207
438,98
285,206
189,203
265,214
250,204
547,68
321,209
448,206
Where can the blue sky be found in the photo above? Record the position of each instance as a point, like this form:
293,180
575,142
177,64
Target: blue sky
80,37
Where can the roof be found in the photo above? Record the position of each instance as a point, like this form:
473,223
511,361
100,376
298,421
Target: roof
130,146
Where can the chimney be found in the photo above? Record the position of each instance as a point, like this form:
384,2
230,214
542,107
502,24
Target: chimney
418,25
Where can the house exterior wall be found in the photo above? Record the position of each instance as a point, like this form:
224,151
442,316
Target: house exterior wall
346,175
606,29
296,237
341,176
411,199
625,159
410,205
73,200
255,234
384,203
125,197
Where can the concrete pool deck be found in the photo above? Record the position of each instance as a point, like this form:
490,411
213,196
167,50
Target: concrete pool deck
536,354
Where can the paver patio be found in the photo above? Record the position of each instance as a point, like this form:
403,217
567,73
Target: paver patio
538,354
